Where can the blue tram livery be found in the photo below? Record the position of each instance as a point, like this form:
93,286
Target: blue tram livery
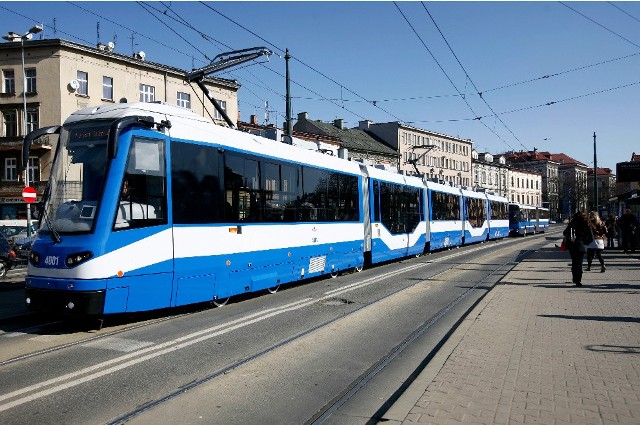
527,219
152,206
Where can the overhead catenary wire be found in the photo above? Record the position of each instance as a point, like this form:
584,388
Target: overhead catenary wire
477,117
207,38
600,25
468,76
373,103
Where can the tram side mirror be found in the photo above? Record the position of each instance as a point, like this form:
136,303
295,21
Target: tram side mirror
29,138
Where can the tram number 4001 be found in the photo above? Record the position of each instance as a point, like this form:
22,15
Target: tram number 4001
51,260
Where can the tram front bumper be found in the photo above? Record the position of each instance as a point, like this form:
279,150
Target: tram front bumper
75,303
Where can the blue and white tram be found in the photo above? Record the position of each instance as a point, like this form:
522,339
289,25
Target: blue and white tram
476,224
522,219
152,206
542,219
398,226
498,216
445,216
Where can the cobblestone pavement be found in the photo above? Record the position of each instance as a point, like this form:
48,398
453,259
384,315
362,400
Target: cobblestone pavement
538,349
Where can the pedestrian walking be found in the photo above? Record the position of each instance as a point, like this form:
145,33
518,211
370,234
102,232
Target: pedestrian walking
612,230
596,246
578,235
628,224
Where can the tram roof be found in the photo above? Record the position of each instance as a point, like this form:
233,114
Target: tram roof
189,126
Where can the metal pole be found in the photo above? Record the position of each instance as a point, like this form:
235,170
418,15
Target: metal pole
289,123
24,132
595,173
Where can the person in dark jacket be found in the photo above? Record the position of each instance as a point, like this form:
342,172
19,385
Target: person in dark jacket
627,224
579,235
612,230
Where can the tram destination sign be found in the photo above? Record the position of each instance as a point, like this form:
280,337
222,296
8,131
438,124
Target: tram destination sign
628,171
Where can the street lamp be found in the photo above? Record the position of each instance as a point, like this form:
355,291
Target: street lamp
13,36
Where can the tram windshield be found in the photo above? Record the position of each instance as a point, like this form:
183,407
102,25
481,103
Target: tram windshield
77,178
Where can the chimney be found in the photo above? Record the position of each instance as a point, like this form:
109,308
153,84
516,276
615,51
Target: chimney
339,123
302,116
364,125
254,119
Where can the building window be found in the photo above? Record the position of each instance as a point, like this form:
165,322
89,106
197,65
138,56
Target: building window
32,120
10,169
9,78
83,80
184,100
147,93
30,75
34,169
107,88
223,105
10,124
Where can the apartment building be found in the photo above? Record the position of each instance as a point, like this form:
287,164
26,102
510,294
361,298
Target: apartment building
490,173
434,155
525,187
62,77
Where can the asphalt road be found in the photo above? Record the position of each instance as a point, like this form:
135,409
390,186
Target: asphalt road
329,350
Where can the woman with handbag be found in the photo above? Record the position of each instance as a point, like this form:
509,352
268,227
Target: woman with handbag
596,247
578,235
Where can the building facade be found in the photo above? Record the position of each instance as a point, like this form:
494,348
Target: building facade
490,173
547,165
525,186
434,155
62,77
606,182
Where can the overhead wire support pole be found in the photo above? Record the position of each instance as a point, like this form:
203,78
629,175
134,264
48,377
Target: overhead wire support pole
224,61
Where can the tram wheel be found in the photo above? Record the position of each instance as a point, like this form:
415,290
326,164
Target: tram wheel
358,269
273,289
220,302
334,274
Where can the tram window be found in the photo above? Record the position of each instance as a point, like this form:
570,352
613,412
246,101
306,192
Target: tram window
196,191
280,187
400,207
498,210
444,206
315,186
143,201
376,201
476,211
242,189
290,175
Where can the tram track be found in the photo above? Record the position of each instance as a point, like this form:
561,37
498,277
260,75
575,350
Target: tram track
355,386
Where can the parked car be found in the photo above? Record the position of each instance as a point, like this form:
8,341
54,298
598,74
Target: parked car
7,256
23,249
16,230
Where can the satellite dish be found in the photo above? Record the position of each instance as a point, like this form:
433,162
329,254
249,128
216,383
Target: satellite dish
142,54
74,84
111,45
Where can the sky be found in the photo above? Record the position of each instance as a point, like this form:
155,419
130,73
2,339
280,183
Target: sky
506,75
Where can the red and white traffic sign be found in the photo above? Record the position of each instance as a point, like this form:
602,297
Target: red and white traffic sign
29,194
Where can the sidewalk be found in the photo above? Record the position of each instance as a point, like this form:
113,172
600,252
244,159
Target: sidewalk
538,349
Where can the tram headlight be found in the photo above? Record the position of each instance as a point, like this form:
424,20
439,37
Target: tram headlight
34,258
78,258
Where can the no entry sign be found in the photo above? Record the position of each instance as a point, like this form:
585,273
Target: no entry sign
29,195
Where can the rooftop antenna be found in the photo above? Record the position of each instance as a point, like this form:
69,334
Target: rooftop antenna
98,32
266,112
221,62
55,28
133,44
